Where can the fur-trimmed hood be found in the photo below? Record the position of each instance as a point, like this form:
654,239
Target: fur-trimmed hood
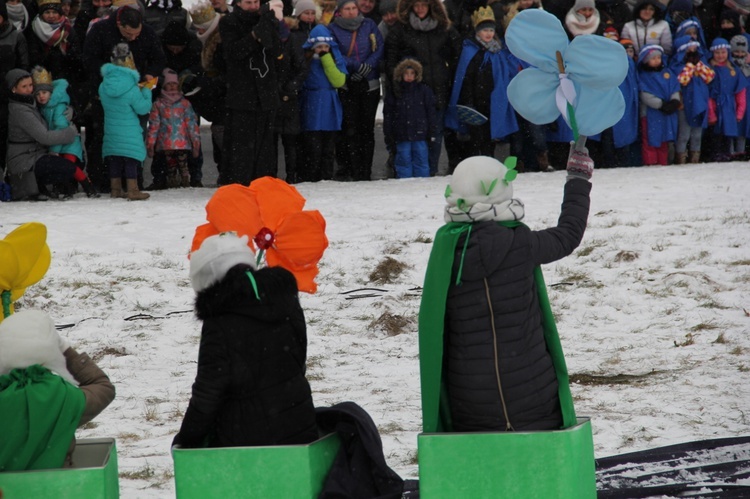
437,12
398,72
235,294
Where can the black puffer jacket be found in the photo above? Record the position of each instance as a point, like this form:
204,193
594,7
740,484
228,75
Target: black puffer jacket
251,387
499,263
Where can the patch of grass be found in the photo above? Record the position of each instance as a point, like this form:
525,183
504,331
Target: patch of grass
392,324
743,368
140,474
704,326
711,303
738,263
721,339
90,425
393,249
626,256
128,437
389,428
589,248
422,237
387,271
612,379
113,351
689,340
737,350
151,411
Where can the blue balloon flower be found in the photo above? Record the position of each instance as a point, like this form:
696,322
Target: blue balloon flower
579,79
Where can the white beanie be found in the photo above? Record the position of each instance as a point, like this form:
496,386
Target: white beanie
29,337
301,6
217,254
584,4
481,190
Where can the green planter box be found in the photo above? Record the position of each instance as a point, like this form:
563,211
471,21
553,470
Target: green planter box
94,475
544,464
290,471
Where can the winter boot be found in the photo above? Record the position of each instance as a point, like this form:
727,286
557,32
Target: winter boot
543,161
695,157
115,188
133,193
680,158
89,189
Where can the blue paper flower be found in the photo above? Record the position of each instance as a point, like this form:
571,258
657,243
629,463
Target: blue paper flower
586,93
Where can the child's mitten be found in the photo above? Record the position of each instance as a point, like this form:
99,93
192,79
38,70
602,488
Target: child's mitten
580,164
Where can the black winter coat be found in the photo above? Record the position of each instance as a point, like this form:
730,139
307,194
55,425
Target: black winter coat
410,117
250,388
437,50
251,46
499,264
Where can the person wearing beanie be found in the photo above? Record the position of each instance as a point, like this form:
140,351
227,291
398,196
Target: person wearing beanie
363,49
370,9
694,76
54,102
480,83
490,357
388,16
15,55
729,24
648,27
47,390
741,60
250,388
660,101
173,130
727,103
123,100
692,28
161,13
583,19
677,12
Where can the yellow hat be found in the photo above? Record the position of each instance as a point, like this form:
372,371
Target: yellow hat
42,79
202,14
483,15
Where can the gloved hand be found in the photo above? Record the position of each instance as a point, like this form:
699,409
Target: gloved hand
579,165
68,113
355,77
64,343
670,106
277,6
364,70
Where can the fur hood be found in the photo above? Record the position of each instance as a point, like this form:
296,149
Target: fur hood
234,294
398,72
437,12
658,12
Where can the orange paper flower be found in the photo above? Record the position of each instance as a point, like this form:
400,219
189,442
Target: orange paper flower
269,211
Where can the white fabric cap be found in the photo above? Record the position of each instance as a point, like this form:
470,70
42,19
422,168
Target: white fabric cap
29,337
211,262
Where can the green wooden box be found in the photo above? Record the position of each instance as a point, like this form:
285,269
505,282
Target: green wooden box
545,464
290,471
93,475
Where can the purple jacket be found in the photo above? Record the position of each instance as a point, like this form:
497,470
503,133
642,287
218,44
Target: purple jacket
368,47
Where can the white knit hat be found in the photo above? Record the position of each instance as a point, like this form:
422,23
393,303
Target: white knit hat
217,254
29,337
481,190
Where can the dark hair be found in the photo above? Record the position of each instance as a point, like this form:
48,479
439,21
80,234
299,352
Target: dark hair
130,18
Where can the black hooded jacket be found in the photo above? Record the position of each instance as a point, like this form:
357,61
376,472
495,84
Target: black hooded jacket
250,388
494,339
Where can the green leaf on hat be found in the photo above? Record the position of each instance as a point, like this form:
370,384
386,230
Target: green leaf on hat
488,190
510,176
448,191
511,162
461,204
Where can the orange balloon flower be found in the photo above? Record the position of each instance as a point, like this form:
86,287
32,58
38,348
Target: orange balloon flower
269,211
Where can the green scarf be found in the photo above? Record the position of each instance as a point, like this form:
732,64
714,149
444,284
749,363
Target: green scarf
40,412
435,408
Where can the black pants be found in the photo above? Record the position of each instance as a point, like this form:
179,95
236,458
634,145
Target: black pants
249,147
53,170
355,145
97,171
316,155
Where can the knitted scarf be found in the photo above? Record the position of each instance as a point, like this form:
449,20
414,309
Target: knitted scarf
18,15
426,24
39,412
579,25
435,408
52,35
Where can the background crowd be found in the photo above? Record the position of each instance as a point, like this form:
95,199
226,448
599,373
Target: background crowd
309,76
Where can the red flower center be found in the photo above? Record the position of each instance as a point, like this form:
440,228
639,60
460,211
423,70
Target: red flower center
264,238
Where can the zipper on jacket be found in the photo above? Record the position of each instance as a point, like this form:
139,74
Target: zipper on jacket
508,426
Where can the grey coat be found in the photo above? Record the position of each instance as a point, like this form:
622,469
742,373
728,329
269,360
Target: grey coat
28,140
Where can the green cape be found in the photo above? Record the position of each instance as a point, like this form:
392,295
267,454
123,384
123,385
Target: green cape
435,408
40,412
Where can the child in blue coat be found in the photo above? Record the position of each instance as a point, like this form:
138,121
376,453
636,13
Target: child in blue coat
54,103
660,101
410,119
726,105
123,100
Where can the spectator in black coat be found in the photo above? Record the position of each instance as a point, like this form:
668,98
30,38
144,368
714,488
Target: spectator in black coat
251,45
251,387
125,25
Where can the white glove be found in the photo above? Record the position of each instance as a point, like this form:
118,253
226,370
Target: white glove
277,6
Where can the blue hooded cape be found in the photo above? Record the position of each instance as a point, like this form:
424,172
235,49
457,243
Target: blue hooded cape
728,82
662,84
319,103
502,116
626,130
695,93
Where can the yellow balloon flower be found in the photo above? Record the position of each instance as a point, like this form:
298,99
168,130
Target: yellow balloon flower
24,259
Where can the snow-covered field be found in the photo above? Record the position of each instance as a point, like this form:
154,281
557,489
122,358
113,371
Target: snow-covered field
652,308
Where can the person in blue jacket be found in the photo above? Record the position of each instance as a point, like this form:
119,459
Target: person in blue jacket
320,107
694,76
123,101
660,100
481,83
410,119
726,104
362,45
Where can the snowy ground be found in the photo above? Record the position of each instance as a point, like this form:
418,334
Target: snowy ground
652,308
